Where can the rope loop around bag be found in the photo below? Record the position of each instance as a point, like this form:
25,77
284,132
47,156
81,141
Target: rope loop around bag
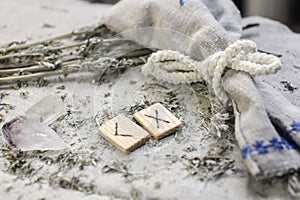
177,68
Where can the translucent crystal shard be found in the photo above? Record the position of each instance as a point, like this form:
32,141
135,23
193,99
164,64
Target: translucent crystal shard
47,110
31,132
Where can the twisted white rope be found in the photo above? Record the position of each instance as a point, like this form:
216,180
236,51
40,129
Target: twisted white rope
176,68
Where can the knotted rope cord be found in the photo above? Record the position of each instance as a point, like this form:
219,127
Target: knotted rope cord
176,68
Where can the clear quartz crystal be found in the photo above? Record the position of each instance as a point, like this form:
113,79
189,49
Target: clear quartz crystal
47,110
31,132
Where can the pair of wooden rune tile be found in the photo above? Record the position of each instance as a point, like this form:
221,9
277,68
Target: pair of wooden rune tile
127,136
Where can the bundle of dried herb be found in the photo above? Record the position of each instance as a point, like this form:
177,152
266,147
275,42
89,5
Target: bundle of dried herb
67,53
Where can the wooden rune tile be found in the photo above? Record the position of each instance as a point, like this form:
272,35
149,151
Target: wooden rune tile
123,133
158,120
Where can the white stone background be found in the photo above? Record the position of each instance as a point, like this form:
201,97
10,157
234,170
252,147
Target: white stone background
23,20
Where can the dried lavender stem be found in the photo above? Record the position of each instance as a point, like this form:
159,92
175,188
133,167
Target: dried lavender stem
36,68
32,68
20,55
73,62
28,77
83,43
58,37
52,49
14,66
67,46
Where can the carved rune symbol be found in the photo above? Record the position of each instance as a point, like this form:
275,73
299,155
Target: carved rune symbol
157,119
118,134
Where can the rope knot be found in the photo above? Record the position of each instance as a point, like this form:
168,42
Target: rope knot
176,68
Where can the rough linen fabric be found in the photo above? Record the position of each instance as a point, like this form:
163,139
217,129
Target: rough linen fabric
190,29
282,103
200,28
266,153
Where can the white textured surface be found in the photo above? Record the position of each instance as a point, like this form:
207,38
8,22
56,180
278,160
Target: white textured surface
22,20
25,18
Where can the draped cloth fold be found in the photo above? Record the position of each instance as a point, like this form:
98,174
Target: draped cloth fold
200,29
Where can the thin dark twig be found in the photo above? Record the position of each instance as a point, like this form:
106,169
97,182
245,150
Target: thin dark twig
28,77
274,54
250,26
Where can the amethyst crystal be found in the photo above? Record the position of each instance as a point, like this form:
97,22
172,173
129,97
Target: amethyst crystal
31,132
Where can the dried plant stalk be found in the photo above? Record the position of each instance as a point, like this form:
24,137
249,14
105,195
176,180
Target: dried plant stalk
20,55
50,39
30,61
34,76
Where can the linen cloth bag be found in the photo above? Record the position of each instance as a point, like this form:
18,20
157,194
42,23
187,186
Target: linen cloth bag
199,29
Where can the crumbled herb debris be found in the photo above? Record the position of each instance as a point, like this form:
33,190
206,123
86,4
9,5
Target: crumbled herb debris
190,149
116,167
112,67
85,101
5,107
208,168
3,94
132,82
16,162
107,94
102,117
64,160
61,87
139,106
214,163
41,82
136,194
21,164
3,26
24,95
171,101
170,98
68,160
8,189
173,157
220,146
288,86
73,183
47,25
157,185
153,86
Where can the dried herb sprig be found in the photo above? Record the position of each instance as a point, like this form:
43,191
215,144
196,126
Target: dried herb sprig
23,164
44,63
18,47
208,168
16,162
68,160
49,57
72,182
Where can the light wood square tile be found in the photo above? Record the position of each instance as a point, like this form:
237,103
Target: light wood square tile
158,121
123,133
